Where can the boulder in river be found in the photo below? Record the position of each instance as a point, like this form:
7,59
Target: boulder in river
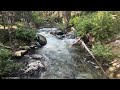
72,34
60,36
34,66
59,32
41,40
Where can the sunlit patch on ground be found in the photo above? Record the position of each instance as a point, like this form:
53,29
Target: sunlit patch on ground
2,27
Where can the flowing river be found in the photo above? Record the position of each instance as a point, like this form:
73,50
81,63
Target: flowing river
63,62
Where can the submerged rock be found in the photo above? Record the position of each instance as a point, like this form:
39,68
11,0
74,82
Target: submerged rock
58,32
72,34
36,56
60,36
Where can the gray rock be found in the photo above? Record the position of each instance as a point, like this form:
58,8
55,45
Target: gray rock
59,32
72,34
41,39
60,36
36,56
34,66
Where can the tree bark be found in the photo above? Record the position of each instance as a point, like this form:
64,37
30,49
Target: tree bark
66,17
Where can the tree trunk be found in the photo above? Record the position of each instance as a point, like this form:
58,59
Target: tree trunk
66,17
58,14
9,26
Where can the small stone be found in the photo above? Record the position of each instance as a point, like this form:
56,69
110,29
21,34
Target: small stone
20,53
36,56
114,64
25,47
118,66
96,67
118,76
111,75
112,69
114,61
32,46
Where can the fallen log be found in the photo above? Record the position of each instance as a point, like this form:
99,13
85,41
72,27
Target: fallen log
87,49
7,47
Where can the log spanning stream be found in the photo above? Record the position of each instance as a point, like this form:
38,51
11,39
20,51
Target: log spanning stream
63,62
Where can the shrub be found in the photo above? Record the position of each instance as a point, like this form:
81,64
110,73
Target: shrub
99,23
25,34
61,26
103,26
4,53
9,66
6,64
82,24
20,24
103,52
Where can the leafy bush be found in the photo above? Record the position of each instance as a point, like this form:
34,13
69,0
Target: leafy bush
6,64
4,53
82,24
102,51
25,34
61,26
103,23
99,23
9,66
20,25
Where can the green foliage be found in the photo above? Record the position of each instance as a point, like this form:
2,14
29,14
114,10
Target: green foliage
20,24
6,64
82,24
74,20
61,26
37,19
103,23
116,27
99,23
25,34
3,36
102,51
4,53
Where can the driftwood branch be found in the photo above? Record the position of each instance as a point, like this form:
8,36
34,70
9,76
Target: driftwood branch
6,47
87,49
